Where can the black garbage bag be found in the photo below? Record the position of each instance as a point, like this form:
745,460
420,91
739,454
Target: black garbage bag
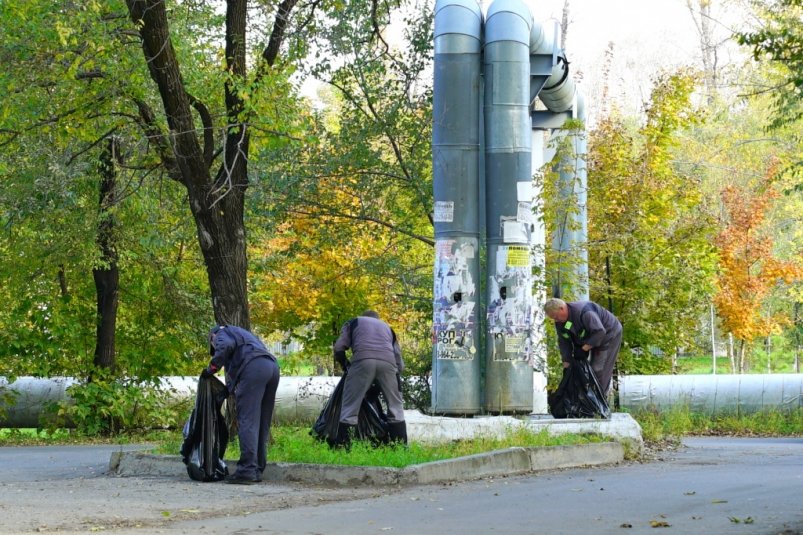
372,420
206,433
579,394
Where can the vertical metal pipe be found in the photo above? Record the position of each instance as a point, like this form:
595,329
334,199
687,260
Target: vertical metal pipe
571,228
455,168
538,248
580,234
508,188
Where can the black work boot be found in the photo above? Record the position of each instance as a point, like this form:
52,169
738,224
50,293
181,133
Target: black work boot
397,432
344,433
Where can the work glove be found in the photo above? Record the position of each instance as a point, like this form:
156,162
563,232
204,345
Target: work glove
399,381
340,358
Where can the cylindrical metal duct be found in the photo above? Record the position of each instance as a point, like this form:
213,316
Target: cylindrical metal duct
23,403
712,394
508,190
559,90
455,169
25,400
571,228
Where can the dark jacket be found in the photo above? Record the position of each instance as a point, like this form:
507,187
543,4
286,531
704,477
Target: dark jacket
588,323
370,338
234,348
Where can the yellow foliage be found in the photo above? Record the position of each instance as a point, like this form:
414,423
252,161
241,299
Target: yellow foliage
749,270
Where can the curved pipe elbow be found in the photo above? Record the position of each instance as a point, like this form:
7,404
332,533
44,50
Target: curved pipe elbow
508,20
458,26
559,91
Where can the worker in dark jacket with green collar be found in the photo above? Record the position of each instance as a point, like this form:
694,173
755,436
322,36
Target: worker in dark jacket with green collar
584,327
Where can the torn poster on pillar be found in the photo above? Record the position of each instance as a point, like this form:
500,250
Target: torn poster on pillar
455,300
510,307
525,212
514,231
443,212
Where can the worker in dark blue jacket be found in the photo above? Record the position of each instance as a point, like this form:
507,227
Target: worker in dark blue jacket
375,356
252,374
584,327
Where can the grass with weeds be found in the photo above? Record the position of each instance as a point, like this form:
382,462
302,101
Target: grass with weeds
56,437
295,445
680,421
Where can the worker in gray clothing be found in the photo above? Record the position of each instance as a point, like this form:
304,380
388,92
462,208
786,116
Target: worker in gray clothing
375,356
252,375
589,328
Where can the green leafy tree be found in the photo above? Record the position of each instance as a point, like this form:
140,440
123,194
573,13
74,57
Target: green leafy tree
650,257
778,41
355,198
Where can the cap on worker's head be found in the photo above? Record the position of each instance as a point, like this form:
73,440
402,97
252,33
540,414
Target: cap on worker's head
370,314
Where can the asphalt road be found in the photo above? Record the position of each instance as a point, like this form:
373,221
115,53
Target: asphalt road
46,463
712,486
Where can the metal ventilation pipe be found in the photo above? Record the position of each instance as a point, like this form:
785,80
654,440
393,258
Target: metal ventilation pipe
508,189
455,168
713,394
559,90
571,234
543,53
24,402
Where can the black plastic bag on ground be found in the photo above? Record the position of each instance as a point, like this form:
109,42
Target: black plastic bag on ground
579,394
372,421
206,433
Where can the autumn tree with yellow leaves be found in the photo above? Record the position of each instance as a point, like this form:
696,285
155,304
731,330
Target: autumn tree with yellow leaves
749,268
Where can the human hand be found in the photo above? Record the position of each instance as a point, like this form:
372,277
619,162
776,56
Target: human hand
340,358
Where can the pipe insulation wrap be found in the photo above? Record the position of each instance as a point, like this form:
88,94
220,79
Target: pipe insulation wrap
508,20
559,91
458,23
23,402
542,38
713,394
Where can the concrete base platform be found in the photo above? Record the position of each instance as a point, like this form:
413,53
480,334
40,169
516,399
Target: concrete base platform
432,429
625,432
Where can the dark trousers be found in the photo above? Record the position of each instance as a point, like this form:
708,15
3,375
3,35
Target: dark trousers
362,373
255,396
603,360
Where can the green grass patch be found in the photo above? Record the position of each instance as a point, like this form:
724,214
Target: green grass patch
680,421
57,437
293,444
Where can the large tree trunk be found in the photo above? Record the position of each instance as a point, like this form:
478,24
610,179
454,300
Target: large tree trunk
217,206
106,275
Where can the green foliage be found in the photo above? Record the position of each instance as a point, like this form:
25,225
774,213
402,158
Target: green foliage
650,258
348,208
109,406
780,40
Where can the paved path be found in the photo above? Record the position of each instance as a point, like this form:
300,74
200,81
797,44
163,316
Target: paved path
712,486
43,463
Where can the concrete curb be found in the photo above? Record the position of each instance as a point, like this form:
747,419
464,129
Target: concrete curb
491,464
